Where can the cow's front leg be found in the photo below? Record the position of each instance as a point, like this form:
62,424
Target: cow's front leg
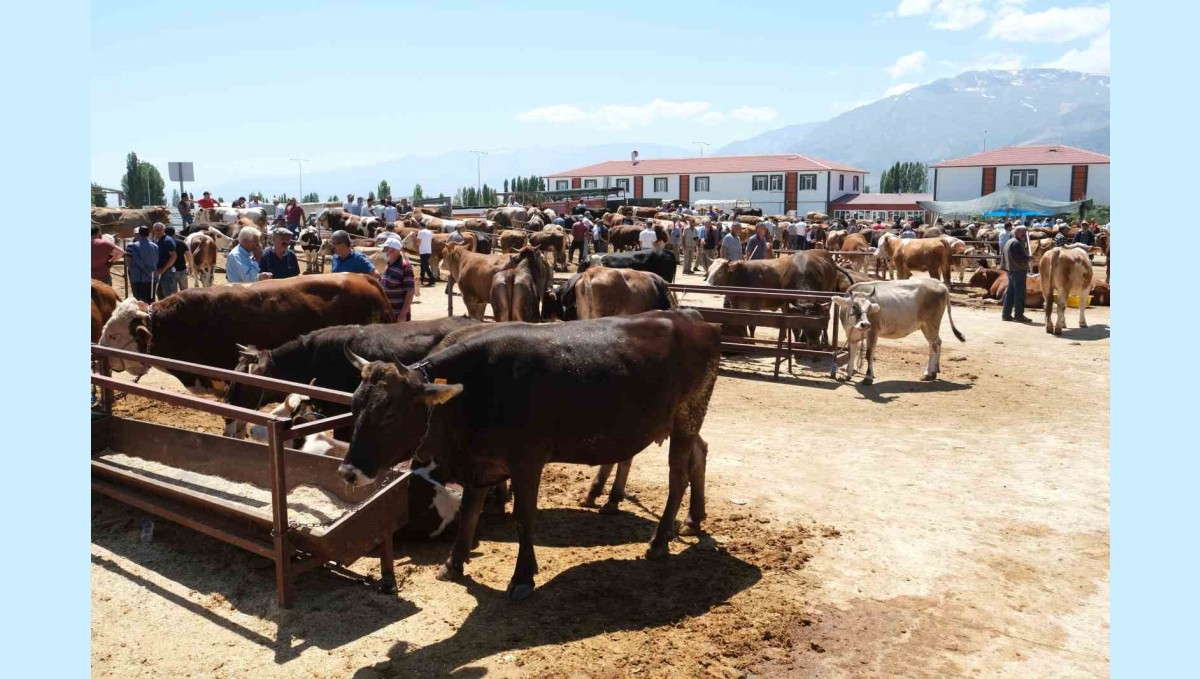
468,519
597,487
525,490
851,345
872,338
935,356
680,463
617,493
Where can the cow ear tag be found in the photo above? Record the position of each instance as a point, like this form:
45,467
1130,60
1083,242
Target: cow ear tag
439,380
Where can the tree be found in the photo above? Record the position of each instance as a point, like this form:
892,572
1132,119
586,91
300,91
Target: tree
99,198
417,193
220,199
383,191
905,178
311,198
140,177
332,199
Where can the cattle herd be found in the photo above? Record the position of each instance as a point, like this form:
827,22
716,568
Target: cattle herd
479,403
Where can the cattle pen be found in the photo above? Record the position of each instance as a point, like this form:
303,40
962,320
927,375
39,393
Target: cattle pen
367,526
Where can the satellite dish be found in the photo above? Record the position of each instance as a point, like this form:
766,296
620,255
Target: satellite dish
633,158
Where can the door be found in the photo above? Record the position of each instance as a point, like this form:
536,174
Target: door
685,191
637,187
789,191
989,181
1079,174
576,182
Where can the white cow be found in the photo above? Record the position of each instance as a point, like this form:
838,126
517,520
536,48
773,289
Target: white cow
895,309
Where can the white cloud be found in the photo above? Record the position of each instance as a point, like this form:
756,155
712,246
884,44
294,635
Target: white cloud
996,61
908,8
558,113
1057,24
1092,59
712,118
751,114
956,15
898,89
909,63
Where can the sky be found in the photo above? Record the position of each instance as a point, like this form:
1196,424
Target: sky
240,88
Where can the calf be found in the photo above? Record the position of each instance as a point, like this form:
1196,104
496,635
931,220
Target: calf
473,273
1065,272
895,309
916,254
203,251
518,288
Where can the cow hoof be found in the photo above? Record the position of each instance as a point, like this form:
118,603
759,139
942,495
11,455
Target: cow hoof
610,509
1083,325
519,591
448,573
689,527
927,378
868,381
589,501
657,551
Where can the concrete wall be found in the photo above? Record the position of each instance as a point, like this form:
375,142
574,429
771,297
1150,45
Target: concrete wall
1054,182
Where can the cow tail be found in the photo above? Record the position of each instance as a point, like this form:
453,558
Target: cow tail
950,315
666,300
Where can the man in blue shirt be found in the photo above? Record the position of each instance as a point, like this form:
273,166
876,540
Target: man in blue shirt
166,262
345,259
141,258
279,261
731,245
241,264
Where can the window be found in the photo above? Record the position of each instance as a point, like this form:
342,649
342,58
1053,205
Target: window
776,182
841,182
1023,178
808,182
758,182
856,183
561,185
660,184
700,185
623,184
589,183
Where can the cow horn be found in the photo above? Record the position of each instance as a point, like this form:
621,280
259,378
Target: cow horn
872,295
355,360
243,349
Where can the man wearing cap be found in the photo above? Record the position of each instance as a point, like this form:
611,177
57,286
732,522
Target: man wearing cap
207,202
279,261
1016,262
405,208
141,260
758,246
345,259
348,206
105,253
185,211
165,273
279,209
361,209
731,244
293,216
390,212
456,236
398,280
425,250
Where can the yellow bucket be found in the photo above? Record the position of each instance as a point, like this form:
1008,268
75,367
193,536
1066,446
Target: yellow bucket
1073,302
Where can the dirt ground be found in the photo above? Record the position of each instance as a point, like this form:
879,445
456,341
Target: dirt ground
958,527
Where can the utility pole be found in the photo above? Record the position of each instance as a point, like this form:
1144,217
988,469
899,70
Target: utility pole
985,140
701,144
300,165
479,173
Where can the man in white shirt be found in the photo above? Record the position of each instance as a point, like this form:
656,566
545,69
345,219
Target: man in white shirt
279,209
800,234
254,202
360,208
425,249
647,237
348,206
389,214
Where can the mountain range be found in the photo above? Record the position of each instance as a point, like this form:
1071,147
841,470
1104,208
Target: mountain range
946,118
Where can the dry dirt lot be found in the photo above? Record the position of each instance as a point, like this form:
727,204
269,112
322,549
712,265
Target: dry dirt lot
924,529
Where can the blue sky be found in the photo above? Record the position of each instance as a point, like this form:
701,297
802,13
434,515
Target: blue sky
241,87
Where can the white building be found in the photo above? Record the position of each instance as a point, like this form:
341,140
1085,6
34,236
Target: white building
1054,172
777,184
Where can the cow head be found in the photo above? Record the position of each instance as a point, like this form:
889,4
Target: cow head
127,329
718,273
984,278
856,312
253,362
392,409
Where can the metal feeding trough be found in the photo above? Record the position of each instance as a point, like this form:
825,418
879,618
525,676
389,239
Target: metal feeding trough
364,528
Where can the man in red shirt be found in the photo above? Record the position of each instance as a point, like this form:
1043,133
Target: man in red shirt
104,254
293,216
207,202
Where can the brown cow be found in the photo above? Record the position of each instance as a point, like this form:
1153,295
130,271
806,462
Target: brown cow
834,240
913,254
552,243
473,272
1065,272
512,240
104,302
856,242
408,237
994,283
123,223
203,251
518,288
206,325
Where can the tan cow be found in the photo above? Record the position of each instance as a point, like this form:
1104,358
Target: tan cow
231,215
856,242
512,240
104,302
518,288
892,310
1065,272
123,223
202,251
473,272
915,254
957,247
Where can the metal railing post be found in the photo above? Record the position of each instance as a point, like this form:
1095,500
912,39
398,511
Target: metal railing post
279,510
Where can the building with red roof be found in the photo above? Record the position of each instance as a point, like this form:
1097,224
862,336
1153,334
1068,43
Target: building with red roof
776,183
1053,171
886,207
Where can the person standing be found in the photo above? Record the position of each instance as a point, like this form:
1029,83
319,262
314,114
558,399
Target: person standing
206,201
579,240
405,208
293,217
361,208
389,214
731,244
141,259
689,240
241,264
398,280
600,236
1005,236
185,212
676,238
165,272
279,261
908,232
647,237
346,259
758,246
425,250
708,246
280,209
348,206
255,201
105,253
1084,236
181,260
1016,261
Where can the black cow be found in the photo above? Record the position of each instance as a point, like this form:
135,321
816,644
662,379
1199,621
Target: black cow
661,262
479,410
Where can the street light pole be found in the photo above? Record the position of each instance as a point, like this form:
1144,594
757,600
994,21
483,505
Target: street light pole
300,165
479,172
701,144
